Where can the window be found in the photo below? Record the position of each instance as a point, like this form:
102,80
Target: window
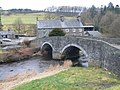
74,30
66,30
80,30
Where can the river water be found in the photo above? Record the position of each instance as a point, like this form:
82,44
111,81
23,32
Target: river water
37,64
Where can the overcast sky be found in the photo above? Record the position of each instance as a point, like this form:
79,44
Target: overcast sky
42,4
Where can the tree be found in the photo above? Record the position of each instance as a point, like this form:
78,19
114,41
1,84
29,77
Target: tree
17,24
103,10
110,24
117,9
57,32
26,43
110,7
105,19
86,18
93,11
115,28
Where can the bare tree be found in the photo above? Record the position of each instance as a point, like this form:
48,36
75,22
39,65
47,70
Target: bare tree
18,22
107,20
115,28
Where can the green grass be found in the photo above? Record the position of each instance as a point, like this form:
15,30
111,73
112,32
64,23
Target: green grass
76,78
1,51
26,18
29,18
117,87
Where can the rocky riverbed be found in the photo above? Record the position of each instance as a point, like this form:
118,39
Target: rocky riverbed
36,64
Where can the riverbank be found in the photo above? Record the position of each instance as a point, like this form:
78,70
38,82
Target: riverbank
26,50
32,75
75,78
37,64
16,55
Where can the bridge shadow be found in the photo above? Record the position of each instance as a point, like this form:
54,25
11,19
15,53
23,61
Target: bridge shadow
74,54
47,51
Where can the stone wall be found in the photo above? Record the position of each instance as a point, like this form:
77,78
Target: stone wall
109,40
107,57
102,54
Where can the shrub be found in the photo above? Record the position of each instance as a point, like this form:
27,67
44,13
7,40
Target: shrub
26,43
57,32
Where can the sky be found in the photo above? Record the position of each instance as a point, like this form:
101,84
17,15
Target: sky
42,4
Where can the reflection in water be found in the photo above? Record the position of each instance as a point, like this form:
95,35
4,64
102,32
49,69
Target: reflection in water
34,64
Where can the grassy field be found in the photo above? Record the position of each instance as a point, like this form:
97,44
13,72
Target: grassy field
76,78
26,18
29,18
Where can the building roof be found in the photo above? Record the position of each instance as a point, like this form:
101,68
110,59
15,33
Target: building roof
87,26
44,24
94,33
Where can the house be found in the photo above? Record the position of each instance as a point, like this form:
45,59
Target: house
7,34
70,27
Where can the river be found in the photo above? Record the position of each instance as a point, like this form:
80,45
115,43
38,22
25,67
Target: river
36,64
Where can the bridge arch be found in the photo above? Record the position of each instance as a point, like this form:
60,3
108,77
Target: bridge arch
77,46
48,44
75,53
47,50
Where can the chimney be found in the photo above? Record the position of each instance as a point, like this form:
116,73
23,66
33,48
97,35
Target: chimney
62,18
78,18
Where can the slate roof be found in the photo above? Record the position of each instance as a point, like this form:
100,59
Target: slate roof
94,33
45,24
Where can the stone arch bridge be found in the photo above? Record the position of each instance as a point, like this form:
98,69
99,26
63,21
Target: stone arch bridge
99,52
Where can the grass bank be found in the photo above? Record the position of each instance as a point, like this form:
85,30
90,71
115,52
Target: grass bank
75,78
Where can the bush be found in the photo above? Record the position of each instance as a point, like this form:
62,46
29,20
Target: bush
27,43
57,32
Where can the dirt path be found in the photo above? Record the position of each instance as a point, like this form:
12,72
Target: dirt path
29,76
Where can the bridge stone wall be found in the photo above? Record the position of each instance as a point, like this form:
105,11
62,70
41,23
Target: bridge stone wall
109,40
101,53
110,58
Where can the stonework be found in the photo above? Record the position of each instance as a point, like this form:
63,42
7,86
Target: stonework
100,53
